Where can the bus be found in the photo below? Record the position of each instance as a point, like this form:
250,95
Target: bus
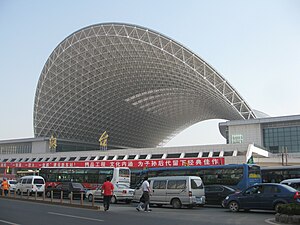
22,173
276,174
238,176
89,177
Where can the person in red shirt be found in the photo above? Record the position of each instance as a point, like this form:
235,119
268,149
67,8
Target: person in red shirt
108,189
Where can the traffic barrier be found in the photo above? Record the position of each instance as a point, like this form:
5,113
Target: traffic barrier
61,196
71,197
81,199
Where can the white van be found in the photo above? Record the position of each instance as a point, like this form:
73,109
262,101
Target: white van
175,190
294,183
30,185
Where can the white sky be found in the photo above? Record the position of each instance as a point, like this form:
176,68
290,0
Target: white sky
254,44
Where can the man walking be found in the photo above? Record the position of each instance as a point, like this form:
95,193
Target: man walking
107,189
146,196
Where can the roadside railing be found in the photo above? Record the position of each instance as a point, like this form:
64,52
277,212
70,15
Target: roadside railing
41,197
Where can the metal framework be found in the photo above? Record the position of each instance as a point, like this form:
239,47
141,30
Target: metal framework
140,86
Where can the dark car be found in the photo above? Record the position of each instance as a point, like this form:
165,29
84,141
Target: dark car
66,188
215,194
265,196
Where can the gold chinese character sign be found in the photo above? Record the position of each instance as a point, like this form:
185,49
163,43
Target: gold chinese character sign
52,142
103,140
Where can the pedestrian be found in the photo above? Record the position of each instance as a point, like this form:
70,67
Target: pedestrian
5,187
145,198
107,189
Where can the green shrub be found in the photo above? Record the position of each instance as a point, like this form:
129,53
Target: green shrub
289,209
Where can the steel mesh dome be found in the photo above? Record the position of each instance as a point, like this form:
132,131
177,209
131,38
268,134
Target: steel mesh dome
140,86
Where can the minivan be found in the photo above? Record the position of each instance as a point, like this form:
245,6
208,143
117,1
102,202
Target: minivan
294,183
30,185
177,191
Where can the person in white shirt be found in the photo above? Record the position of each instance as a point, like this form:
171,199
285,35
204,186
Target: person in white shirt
145,199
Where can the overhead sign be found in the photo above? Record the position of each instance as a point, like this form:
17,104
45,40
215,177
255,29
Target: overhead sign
142,163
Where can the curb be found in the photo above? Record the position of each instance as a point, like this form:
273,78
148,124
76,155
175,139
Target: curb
54,203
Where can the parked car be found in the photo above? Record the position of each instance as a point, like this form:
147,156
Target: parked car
66,188
294,183
267,196
122,192
215,194
30,185
12,185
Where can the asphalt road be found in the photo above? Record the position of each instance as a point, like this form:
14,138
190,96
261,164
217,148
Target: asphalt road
31,213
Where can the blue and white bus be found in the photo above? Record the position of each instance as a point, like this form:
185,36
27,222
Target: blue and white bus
238,176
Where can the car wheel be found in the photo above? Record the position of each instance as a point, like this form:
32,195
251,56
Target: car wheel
90,197
176,203
113,200
18,192
48,194
276,207
234,206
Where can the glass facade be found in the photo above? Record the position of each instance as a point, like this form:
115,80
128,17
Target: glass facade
17,148
279,138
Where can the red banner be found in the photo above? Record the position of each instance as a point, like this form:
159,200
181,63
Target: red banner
140,163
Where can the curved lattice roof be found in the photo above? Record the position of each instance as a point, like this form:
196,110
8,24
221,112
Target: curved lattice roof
140,86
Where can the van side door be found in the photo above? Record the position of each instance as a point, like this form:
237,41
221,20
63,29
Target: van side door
177,189
23,185
28,185
159,191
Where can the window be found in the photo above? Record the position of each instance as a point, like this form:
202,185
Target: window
196,184
38,181
176,184
191,155
254,190
228,153
216,154
23,181
142,156
271,189
29,181
123,172
110,157
82,158
174,155
159,184
156,156
205,154
131,156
